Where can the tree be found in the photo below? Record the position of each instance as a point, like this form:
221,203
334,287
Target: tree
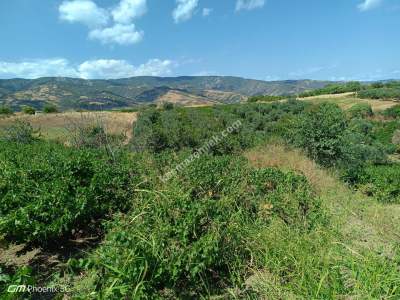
28,110
320,132
5,110
49,108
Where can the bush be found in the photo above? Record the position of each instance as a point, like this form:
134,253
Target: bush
352,86
380,93
382,182
361,110
49,108
5,110
48,190
265,98
181,243
392,112
157,130
320,131
168,106
28,110
20,132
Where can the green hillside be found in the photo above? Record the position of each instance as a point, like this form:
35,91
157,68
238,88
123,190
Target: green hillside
70,93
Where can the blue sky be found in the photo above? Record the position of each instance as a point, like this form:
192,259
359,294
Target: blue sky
261,39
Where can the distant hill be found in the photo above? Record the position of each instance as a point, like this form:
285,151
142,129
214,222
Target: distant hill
72,93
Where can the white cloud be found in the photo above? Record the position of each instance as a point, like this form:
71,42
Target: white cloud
249,4
119,34
37,68
83,11
184,10
155,67
122,31
91,69
369,4
207,11
127,10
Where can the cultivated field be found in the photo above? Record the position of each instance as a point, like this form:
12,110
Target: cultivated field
57,126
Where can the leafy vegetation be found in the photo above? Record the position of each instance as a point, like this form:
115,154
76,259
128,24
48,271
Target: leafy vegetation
347,87
49,108
5,110
71,188
219,227
265,98
29,110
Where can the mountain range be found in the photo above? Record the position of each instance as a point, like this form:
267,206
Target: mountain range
73,93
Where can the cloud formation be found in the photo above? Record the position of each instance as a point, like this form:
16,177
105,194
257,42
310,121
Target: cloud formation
249,4
184,10
121,31
119,34
83,11
369,4
90,69
127,10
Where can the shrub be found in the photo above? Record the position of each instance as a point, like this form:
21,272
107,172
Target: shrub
182,243
47,190
319,132
392,112
49,108
352,86
380,93
361,110
382,182
168,106
20,132
265,98
5,110
157,130
28,110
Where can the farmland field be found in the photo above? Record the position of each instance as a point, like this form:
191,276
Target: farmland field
57,126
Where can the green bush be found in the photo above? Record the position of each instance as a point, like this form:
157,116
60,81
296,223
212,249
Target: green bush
5,110
380,93
29,110
168,106
361,110
392,112
320,131
352,86
382,182
158,130
49,108
19,132
194,236
265,98
47,190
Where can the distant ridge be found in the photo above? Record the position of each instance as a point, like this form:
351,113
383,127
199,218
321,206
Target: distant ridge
75,93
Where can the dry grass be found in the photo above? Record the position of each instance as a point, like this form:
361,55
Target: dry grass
278,155
364,222
347,100
55,126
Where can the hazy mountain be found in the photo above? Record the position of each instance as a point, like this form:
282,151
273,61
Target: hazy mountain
95,94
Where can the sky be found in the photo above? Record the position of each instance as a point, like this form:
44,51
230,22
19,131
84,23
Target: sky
259,39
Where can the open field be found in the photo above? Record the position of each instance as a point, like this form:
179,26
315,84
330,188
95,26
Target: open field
56,126
347,100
